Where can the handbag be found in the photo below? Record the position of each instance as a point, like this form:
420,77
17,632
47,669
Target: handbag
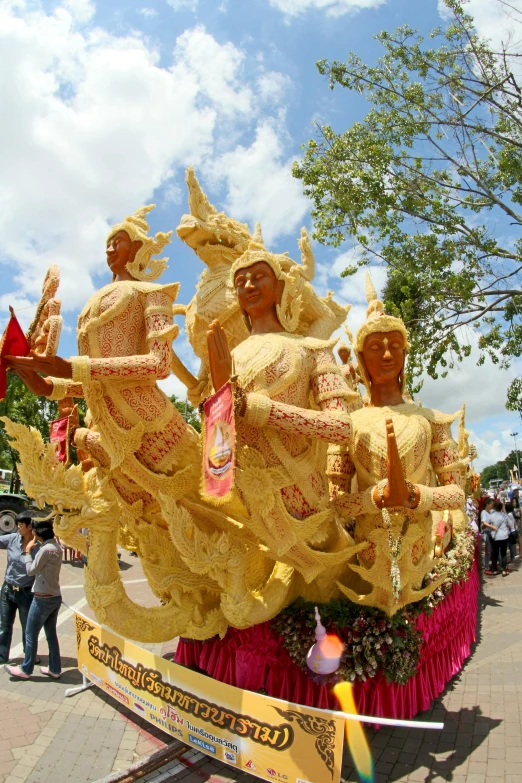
513,537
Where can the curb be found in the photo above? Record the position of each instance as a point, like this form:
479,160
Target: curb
146,764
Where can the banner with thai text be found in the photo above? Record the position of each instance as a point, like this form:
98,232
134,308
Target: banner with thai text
271,739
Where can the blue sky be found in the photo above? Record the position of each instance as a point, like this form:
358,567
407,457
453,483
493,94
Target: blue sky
106,103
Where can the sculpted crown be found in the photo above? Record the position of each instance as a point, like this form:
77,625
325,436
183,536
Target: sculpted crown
137,228
377,320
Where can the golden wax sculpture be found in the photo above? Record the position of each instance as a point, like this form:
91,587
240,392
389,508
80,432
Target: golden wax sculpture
310,457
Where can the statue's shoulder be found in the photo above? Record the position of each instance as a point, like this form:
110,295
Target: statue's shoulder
139,287
312,343
437,417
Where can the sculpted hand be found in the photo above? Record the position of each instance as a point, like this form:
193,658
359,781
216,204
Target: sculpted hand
396,492
48,365
35,383
220,358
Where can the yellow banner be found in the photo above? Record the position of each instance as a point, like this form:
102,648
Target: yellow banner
271,739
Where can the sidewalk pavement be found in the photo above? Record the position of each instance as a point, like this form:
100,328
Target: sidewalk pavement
45,737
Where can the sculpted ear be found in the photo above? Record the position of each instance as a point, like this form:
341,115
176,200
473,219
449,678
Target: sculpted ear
280,287
135,246
364,370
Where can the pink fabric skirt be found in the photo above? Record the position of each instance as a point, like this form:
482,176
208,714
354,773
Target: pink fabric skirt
255,658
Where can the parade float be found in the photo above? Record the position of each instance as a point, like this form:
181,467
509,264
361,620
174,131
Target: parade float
303,498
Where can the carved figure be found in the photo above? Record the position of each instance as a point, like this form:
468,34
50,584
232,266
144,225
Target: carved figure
219,240
407,466
138,441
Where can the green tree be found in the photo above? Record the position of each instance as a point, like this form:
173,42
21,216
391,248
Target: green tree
189,413
429,183
514,401
500,470
24,407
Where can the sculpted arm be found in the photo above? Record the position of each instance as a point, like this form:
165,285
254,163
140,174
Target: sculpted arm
160,332
450,470
330,392
63,388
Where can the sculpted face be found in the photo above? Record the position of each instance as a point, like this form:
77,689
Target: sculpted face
120,251
344,354
258,289
384,355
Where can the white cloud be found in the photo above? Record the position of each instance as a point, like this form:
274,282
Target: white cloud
483,388
148,12
492,447
93,125
173,385
182,5
350,289
272,86
331,7
82,10
261,186
216,68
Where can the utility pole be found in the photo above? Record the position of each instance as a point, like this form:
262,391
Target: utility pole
514,436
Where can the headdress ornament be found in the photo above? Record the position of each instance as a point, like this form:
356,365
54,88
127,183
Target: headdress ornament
293,275
137,228
377,321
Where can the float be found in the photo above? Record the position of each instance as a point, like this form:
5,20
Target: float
316,489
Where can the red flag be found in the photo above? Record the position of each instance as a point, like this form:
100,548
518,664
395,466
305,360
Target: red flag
14,343
219,445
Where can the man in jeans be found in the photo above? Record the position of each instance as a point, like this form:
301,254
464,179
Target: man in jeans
47,599
15,595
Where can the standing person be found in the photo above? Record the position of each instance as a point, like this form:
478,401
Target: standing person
517,513
486,532
513,534
16,592
45,567
501,525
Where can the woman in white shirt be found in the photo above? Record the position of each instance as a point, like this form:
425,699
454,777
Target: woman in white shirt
500,525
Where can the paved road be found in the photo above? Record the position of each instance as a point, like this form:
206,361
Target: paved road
44,737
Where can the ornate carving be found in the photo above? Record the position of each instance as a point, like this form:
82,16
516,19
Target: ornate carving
323,731
81,626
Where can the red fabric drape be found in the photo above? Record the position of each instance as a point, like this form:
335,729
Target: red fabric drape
255,658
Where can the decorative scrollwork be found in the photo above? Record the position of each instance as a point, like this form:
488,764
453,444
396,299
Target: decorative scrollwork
323,731
81,625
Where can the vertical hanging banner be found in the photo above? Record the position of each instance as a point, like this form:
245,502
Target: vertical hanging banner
219,445
269,738
59,437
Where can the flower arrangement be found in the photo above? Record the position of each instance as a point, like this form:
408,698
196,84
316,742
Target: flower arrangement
373,642
454,565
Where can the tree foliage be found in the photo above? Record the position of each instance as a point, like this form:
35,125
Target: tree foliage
514,400
429,183
189,413
500,470
22,406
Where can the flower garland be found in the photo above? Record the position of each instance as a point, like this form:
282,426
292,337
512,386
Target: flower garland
373,642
